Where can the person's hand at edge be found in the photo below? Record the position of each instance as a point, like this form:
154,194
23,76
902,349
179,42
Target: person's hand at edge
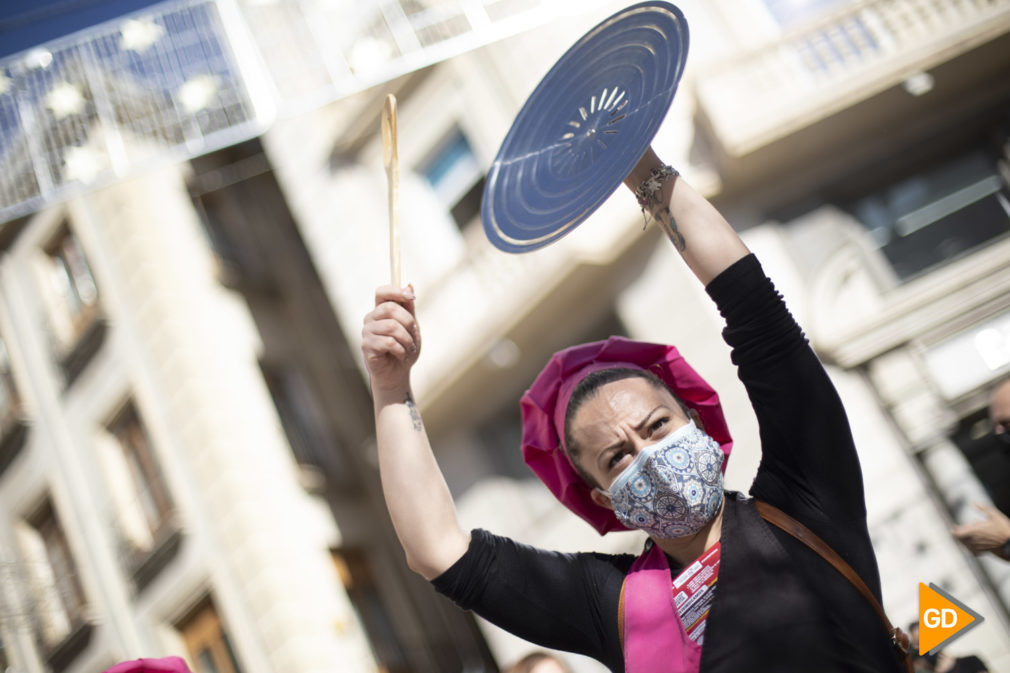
991,534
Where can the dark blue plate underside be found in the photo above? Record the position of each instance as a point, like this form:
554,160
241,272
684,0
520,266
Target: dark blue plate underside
584,127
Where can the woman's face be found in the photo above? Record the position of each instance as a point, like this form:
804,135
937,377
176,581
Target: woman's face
617,422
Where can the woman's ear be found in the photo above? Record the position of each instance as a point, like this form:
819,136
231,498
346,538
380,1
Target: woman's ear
601,499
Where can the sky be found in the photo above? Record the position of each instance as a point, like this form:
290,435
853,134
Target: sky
28,23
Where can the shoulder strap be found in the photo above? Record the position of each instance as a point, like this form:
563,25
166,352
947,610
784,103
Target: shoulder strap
777,517
620,613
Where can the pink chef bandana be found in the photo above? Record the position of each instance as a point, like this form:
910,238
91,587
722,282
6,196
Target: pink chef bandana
545,403
163,665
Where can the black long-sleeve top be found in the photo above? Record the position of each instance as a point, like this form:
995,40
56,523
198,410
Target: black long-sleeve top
782,597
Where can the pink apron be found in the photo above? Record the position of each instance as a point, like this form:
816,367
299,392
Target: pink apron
652,631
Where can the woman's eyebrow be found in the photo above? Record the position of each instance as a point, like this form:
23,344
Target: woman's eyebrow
637,428
644,421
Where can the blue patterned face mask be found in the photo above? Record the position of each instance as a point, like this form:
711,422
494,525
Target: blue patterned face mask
672,488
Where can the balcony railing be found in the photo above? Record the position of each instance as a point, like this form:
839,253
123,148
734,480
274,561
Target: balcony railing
102,103
320,51
184,78
807,74
502,289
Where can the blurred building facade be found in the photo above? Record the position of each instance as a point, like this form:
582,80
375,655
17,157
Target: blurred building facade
185,464
185,421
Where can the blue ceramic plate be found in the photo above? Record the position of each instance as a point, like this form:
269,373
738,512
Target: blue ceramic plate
584,127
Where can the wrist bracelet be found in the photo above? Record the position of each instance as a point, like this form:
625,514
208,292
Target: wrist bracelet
647,193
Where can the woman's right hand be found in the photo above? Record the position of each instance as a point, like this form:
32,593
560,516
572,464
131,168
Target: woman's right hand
391,338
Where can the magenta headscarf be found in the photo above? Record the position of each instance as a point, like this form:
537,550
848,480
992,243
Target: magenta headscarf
545,403
163,665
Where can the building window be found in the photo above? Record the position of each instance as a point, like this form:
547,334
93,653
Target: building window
10,405
821,47
356,574
72,285
789,13
143,505
455,176
939,214
58,602
12,426
76,329
210,208
151,493
209,647
302,419
236,197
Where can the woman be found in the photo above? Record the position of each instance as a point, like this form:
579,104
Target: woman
625,448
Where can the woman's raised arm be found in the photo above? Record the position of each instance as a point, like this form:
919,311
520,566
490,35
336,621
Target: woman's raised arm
416,494
701,235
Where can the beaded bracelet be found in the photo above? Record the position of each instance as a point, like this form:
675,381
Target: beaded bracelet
647,193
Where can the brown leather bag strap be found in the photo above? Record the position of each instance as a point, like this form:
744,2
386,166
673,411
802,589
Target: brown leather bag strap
777,517
620,613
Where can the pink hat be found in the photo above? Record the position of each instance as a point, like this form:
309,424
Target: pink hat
163,665
545,403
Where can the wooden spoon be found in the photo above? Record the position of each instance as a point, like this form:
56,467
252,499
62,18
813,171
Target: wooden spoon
391,160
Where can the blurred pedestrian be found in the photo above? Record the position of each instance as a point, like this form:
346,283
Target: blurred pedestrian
991,533
538,662
162,665
941,662
999,410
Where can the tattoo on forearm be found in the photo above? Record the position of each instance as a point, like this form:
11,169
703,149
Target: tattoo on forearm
415,415
669,225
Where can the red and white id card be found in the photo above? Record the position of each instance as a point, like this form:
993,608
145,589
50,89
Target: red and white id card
693,591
